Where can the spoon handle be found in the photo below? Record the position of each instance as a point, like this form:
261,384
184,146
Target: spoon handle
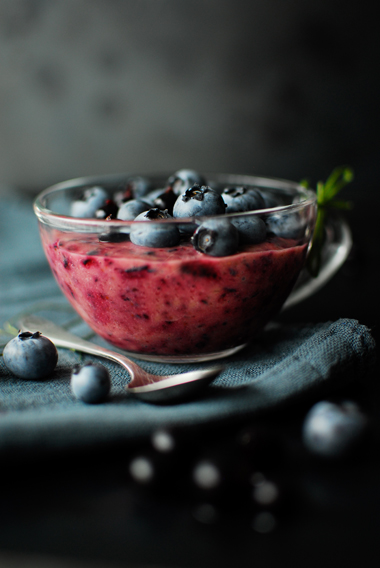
62,338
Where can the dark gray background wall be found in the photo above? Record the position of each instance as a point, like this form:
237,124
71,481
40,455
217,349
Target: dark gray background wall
288,88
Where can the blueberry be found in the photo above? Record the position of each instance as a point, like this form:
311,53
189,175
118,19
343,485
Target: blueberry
286,225
139,186
114,236
269,199
165,199
156,235
93,199
135,187
153,195
107,211
30,355
332,430
216,237
90,383
242,199
182,180
199,201
129,210
252,230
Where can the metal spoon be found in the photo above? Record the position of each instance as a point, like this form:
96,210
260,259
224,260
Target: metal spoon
152,388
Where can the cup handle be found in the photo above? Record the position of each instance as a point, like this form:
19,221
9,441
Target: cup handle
335,252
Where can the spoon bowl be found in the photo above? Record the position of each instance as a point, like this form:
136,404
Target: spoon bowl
144,385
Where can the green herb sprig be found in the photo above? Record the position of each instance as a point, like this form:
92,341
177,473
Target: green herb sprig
326,193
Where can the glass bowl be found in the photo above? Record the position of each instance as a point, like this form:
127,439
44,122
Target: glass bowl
189,300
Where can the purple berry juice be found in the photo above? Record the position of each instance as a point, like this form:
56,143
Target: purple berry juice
173,301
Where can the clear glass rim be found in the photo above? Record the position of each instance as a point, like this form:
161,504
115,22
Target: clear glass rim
49,217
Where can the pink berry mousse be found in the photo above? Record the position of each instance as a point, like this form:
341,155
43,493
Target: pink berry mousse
173,301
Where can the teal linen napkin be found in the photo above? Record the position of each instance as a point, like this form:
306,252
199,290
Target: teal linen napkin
285,362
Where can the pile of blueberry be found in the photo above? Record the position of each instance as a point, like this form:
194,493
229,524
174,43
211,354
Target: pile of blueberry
186,195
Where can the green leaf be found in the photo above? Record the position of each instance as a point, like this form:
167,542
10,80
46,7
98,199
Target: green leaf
338,204
326,192
337,180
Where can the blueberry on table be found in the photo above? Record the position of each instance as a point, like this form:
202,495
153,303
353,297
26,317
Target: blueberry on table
182,180
90,383
30,355
216,237
252,230
199,201
332,430
147,233
94,198
129,210
242,199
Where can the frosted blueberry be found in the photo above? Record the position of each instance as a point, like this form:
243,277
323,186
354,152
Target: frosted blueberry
182,180
199,201
287,226
107,211
331,430
269,199
30,355
216,237
153,195
151,234
129,210
137,187
242,199
252,230
94,198
90,383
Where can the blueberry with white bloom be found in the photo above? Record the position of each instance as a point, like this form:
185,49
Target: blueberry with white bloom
182,180
242,199
153,195
165,199
199,201
139,186
129,210
269,199
107,211
332,430
90,383
216,237
94,198
287,226
252,230
148,233
30,355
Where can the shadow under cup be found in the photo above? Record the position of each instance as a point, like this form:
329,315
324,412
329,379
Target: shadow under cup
176,304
